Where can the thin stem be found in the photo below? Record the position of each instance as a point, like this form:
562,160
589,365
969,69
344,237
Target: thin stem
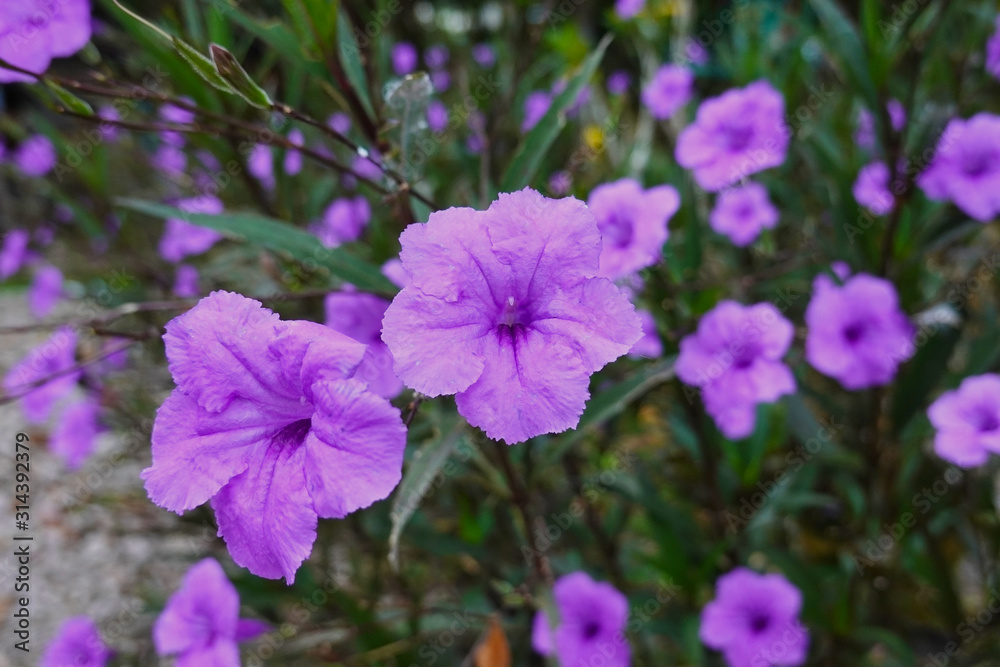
25,389
540,563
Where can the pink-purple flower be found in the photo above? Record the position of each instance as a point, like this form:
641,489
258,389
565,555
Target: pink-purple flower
45,291
36,156
437,116
871,188
857,333
618,82
270,424
668,91
33,32
404,58
13,252
293,158
649,345
75,435
343,221
535,107
754,621
742,213
186,283
504,310
633,224
260,164
591,629
735,356
360,316
484,55
735,135
201,623
966,166
181,238
77,643
627,9
45,375
967,421
993,50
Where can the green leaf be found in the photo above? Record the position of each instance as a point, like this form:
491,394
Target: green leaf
350,57
202,65
278,236
923,373
69,100
843,39
610,402
230,69
535,146
424,467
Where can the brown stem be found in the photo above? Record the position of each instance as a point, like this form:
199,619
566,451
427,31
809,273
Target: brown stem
25,389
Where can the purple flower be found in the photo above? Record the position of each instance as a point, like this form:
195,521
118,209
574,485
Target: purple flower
626,9
592,617
441,80
186,282
695,52
170,159
360,316
36,156
77,644
735,357
436,56
51,361
504,310
437,116
871,188
339,122
618,82
897,114
535,107
201,623
735,135
260,164
484,55
993,50
754,620
343,221
394,271
269,423
293,158
857,333
109,131
967,420
560,183
76,434
45,291
175,115
404,58
864,134
650,344
33,32
633,224
13,252
477,129
366,168
181,239
742,213
669,91
966,166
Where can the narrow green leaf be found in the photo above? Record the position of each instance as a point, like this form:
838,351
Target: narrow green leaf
424,467
350,57
529,155
202,65
843,39
278,236
69,100
230,69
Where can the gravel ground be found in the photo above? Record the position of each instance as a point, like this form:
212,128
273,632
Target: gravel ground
100,548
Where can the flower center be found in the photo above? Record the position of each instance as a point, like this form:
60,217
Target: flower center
854,332
988,422
759,623
978,162
617,230
590,630
294,434
738,136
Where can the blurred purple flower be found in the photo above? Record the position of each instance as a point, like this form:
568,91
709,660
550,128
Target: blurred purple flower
45,291
181,238
339,122
871,188
260,164
437,116
293,158
343,221
618,82
44,235
201,623
77,644
186,282
966,166
742,213
436,56
754,620
535,106
737,134
75,436
36,156
967,421
109,131
993,50
735,357
269,422
560,183
33,32
649,345
441,80
626,9
170,159
476,140
669,91
592,618
366,168
504,310
581,98
360,316
484,55
856,332
864,133
404,58
394,271
13,252
171,113
633,224
695,52
52,359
